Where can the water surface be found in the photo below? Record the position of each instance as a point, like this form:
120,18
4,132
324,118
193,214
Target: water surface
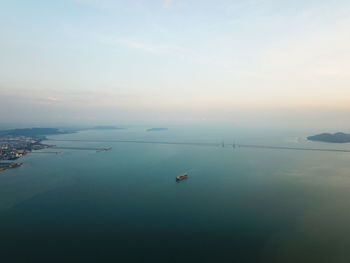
123,205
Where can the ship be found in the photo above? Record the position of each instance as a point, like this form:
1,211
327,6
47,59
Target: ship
104,149
181,177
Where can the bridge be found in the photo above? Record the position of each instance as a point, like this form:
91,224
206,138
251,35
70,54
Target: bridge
82,148
223,145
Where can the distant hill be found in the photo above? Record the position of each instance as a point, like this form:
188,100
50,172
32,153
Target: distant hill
157,129
338,137
106,127
32,132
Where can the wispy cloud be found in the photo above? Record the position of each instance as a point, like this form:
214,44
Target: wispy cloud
172,3
142,46
167,3
53,99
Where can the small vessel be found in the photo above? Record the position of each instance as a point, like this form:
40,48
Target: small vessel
104,149
181,177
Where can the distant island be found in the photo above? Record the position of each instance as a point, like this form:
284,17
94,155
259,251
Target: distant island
32,132
157,129
106,127
338,137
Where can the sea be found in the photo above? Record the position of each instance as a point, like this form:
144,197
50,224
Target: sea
238,204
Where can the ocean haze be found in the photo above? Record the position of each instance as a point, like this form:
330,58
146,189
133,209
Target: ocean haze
83,61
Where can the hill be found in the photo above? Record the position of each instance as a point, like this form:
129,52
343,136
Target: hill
32,132
338,137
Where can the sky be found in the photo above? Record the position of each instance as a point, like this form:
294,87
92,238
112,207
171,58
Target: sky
104,61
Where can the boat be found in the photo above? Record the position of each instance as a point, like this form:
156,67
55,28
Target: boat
181,177
104,149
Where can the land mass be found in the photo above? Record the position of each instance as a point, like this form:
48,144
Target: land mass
157,129
5,166
31,132
106,127
18,142
338,137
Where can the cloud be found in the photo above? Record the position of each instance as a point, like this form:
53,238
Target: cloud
53,99
44,100
167,3
142,46
171,4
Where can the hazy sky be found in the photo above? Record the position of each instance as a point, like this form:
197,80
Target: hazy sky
81,61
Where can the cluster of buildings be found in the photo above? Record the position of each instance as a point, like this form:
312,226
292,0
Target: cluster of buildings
12,148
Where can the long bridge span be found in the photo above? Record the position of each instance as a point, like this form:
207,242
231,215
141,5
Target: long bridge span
233,145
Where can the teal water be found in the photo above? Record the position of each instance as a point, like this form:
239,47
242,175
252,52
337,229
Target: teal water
238,205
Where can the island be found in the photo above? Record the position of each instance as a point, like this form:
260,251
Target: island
338,137
157,129
106,127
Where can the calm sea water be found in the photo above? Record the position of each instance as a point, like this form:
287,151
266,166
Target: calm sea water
238,205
